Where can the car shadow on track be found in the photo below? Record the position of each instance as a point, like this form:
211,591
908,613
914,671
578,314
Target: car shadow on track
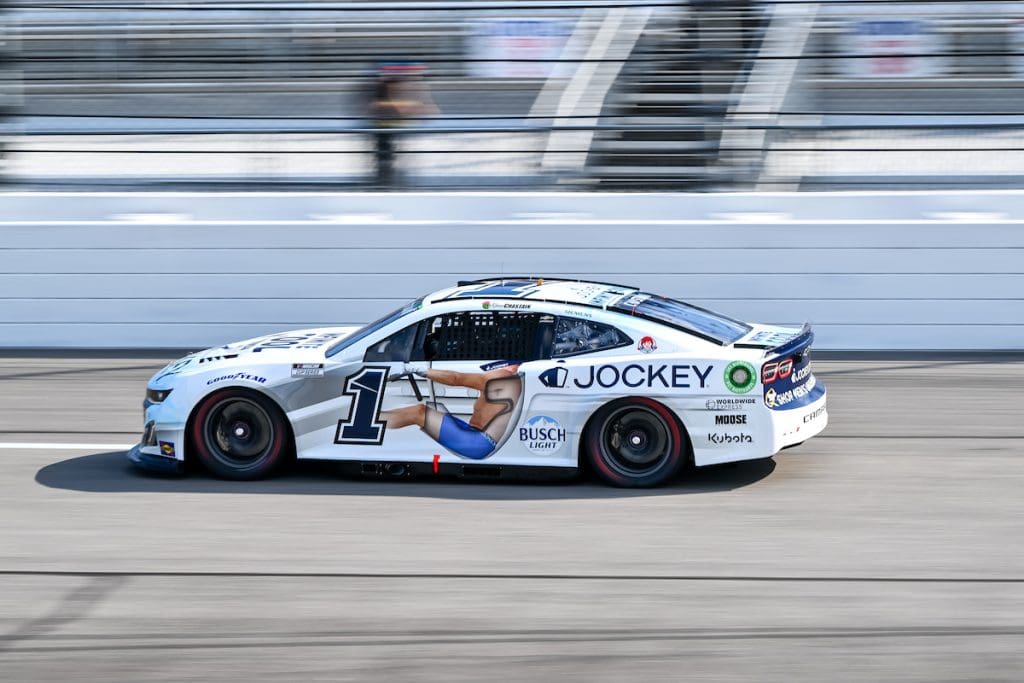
110,473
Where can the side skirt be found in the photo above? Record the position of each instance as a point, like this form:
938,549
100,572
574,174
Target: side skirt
473,471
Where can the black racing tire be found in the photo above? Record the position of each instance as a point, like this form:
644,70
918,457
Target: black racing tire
635,443
239,434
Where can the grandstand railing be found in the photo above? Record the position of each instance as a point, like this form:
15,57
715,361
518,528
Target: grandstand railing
872,94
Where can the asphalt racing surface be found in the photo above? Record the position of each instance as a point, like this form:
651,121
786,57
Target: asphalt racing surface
887,549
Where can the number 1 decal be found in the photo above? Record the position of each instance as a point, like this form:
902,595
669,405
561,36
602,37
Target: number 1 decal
363,424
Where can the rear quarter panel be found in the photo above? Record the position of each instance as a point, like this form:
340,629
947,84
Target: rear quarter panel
723,425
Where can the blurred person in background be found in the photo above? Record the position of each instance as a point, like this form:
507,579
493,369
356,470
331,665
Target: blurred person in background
8,77
400,95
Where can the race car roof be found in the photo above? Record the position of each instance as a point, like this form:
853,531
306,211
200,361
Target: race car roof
580,292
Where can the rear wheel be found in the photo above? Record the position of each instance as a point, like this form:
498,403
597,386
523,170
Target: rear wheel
635,442
239,434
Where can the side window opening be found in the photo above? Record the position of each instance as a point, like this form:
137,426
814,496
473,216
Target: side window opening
396,348
484,335
575,336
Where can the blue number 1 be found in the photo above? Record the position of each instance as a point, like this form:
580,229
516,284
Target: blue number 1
363,426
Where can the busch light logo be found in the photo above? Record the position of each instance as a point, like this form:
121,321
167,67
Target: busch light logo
542,435
555,377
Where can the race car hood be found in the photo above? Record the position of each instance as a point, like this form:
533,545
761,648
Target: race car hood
298,346
769,336
310,344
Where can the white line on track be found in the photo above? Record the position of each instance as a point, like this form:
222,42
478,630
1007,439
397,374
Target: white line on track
614,222
31,446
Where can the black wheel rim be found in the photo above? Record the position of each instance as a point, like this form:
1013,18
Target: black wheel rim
238,433
635,441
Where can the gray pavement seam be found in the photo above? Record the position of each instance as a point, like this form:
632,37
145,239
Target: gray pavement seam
72,607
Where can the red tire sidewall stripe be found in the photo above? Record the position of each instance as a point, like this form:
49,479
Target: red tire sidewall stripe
198,438
206,406
594,443
672,422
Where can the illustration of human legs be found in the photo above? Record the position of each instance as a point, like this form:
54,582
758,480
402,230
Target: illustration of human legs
454,434
426,418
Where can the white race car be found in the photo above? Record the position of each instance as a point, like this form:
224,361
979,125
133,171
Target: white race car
494,378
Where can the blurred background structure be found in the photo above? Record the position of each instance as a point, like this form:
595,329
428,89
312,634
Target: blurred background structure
679,95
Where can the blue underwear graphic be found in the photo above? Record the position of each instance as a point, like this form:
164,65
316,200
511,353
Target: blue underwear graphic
469,442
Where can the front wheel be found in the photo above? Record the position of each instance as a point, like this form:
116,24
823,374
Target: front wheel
635,443
239,434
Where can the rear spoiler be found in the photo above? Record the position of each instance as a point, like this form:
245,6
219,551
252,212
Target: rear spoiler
794,346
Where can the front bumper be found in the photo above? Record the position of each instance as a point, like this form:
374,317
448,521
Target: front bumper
154,463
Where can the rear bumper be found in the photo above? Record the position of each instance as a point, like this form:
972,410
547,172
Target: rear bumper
154,463
799,424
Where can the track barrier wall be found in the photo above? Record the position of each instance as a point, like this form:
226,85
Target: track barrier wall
871,271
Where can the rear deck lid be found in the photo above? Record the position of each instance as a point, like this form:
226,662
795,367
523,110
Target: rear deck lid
770,338
786,373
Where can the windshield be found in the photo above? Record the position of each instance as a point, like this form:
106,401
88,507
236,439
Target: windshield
699,321
366,331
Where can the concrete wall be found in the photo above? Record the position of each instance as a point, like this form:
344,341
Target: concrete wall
898,271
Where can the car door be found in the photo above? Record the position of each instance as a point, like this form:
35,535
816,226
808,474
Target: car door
475,342
395,414
474,352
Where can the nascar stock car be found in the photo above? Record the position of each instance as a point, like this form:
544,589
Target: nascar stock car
499,378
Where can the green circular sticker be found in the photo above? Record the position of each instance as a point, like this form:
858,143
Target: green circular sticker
740,377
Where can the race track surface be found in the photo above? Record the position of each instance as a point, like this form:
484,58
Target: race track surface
888,549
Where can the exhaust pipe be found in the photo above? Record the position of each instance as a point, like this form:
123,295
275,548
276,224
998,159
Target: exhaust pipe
396,469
